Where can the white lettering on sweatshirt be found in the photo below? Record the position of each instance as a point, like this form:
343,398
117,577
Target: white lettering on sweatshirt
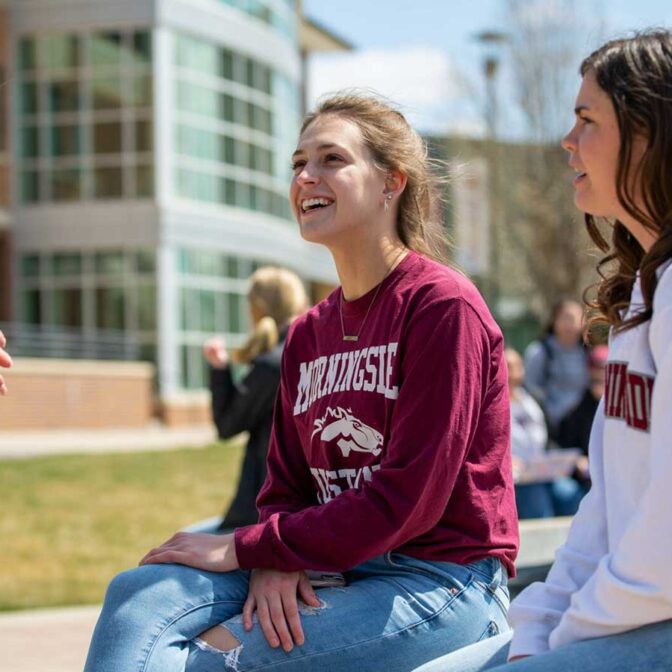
369,369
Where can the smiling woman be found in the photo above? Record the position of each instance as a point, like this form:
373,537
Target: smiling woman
606,605
388,460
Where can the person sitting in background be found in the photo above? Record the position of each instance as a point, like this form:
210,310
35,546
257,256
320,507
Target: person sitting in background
5,361
555,365
275,296
574,430
529,441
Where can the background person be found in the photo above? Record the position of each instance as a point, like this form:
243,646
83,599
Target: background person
574,430
529,441
378,467
275,297
606,605
556,371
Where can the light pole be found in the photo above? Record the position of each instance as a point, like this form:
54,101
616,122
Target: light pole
492,42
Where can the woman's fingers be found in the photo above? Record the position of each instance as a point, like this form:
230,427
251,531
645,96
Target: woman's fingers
277,612
307,592
267,624
248,612
291,612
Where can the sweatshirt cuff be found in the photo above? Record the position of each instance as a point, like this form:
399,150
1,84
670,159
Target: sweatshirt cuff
253,546
529,640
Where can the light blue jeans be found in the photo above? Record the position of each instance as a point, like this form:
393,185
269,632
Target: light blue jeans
395,613
647,649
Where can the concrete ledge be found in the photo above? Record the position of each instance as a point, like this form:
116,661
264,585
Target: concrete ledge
540,538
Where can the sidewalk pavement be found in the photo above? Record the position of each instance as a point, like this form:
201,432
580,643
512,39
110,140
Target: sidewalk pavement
50,639
23,444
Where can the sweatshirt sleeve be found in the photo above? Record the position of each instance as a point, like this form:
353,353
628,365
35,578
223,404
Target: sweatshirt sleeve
538,610
445,368
632,585
240,408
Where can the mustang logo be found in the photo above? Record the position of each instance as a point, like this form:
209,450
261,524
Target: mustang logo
355,435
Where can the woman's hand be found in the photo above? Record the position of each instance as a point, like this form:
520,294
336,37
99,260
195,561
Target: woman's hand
273,595
211,552
5,361
214,351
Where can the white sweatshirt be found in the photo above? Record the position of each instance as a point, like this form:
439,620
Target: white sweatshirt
614,573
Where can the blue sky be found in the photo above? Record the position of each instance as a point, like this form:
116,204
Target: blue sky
422,53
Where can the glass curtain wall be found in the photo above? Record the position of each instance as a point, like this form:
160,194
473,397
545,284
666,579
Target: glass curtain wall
85,116
212,300
101,295
234,116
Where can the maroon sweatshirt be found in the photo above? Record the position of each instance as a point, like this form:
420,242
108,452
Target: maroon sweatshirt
396,442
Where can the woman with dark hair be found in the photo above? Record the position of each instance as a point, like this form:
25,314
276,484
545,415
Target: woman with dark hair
556,370
389,459
606,605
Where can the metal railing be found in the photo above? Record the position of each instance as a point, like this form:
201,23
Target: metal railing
30,340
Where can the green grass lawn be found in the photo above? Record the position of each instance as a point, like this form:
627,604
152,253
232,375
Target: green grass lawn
68,524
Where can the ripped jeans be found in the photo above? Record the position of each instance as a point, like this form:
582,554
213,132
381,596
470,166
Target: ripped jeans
396,613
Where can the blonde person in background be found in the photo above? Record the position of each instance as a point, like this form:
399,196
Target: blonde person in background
5,361
276,296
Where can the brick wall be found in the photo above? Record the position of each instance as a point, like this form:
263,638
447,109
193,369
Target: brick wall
188,408
49,393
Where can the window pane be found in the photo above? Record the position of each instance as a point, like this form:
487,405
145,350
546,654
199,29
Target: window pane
146,261
66,184
29,142
110,263
27,54
31,305
249,72
29,98
226,111
106,93
110,308
144,180
189,308
107,138
30,266
142,47
229,192
108,182
67,264
233,267
249,119
61,51
143,136
65,140
262,120
208,322
243,195
227,149
227,64
67,307
64,96
30,188
105,48
235,310
142,91
146,307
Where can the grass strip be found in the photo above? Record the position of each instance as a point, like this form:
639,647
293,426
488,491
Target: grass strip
68,524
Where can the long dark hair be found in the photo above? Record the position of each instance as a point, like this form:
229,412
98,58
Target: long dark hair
636,74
